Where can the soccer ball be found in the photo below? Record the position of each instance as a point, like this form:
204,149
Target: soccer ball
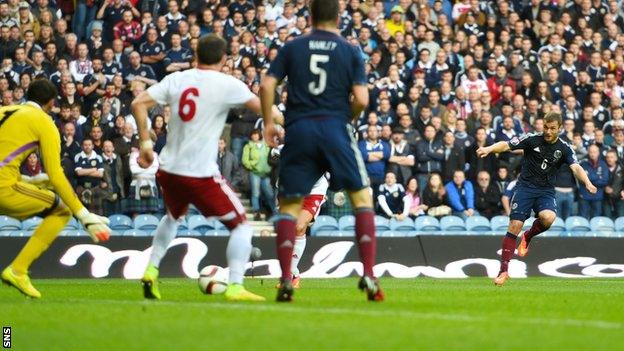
212,280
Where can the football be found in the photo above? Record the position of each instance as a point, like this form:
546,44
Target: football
212,280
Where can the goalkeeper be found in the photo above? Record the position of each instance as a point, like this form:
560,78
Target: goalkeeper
23,129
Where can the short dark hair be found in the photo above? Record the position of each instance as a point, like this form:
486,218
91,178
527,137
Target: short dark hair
211,49
324,11
41,91
553,117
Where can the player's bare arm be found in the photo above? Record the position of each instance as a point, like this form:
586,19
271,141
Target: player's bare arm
496,148
140,107
360,100
267,98
581,176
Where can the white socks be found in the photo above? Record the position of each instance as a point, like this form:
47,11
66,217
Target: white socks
165,233
300,244
238,251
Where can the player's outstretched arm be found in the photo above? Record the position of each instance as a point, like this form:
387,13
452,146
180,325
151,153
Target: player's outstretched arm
360,100
267,98
497,148
581,176
140,107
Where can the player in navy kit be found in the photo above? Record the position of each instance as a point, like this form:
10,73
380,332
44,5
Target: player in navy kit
544,153
326,90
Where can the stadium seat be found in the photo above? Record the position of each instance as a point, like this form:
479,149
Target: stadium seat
381,224
218,225
575,224
324,224
31,223
137,232
217,232
602,224
183,224
499,224
187,232
72,225
192,211
8,224
478,225
120,223
556,229
405,225
619,224
346,224
146,222
427,224
528,223
200,224
21,233
452,224
73,233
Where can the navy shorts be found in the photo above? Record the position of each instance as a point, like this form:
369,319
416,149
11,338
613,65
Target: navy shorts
527,198
314,146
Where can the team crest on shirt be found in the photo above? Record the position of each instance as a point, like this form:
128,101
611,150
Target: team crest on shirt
143,74
395,194
557,154
93,163
514,141
514,206
157,49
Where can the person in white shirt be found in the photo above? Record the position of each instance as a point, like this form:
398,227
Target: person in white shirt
200,99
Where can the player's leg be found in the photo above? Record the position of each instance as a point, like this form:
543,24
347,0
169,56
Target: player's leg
176,203
286,229
24,201
215,197
348,172
546,209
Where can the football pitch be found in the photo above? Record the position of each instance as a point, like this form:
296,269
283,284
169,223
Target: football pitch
328,314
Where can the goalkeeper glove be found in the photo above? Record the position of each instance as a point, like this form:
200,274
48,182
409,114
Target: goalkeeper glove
96,226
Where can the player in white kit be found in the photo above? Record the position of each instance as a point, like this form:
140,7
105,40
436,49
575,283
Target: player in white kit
200,99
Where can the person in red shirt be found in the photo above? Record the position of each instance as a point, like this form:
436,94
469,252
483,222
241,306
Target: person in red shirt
128,30
496,83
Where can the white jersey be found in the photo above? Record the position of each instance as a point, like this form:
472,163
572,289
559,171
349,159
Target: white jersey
200,101
321,186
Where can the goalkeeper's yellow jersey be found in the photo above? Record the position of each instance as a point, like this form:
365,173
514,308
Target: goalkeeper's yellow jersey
23,129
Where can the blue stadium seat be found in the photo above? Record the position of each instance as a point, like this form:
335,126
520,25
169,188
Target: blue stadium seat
217,232
8,224
499,224
188,232
72,224
324,224
31,223
427,224
346,224
137,232
406,225
146,222
619,224
21,233
528,223
120,223
577,224
478,224
192,211
218,225
556,229
381,223
602,224
200,224
452,224
73,233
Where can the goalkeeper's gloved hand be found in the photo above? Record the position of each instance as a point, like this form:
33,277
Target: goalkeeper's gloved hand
96,226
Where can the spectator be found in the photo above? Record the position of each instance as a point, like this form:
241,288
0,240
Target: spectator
507,196
89,170
143,196
177,58
391,200
139,71
613,204
82,65
590,205
113,179
32,171
159,127
127,30
487,196
123,146
429,155
226,161
564,192
376,154
255,160
413,199
434,197
461,196
402,157
454,157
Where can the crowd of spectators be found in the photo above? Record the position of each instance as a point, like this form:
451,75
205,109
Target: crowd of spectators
445,77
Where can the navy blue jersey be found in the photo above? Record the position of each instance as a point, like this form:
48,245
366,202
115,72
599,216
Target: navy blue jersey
147,49
178,56
143,71
322,68
542,159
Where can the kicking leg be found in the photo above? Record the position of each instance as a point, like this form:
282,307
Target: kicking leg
541,224
164,235
366,241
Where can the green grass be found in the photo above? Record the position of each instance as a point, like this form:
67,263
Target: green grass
419,314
